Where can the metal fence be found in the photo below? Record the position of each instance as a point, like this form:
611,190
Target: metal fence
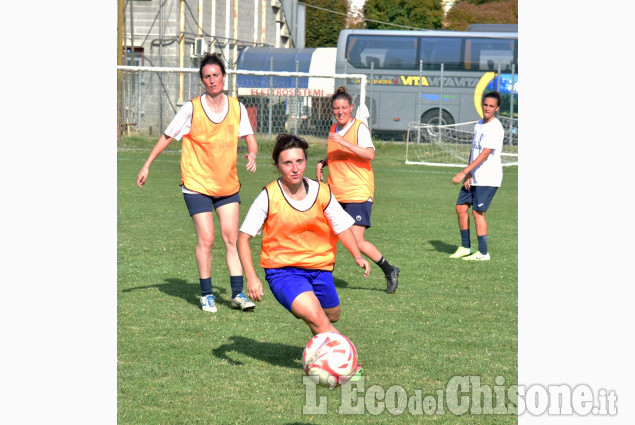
278,102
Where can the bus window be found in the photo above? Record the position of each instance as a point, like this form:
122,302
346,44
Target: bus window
440,50
485,54
389,52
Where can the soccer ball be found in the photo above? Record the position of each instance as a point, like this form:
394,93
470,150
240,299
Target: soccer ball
330,359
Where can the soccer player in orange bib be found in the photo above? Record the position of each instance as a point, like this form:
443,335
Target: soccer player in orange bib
351,178
301,223
210,126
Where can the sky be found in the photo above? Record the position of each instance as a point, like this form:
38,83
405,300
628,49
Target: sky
358,3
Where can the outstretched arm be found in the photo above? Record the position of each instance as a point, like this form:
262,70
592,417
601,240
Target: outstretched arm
161,144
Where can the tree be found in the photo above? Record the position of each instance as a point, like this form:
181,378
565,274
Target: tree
424,14
469,12
478,2
323,27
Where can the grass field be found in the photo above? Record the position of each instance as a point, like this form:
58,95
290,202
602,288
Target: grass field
179,365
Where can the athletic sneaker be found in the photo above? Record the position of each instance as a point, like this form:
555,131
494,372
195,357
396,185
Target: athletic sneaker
242,302
358,374
462,252
477,256
392,280
355,377
208,303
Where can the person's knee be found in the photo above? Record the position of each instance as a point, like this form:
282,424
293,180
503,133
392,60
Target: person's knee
333,314
206,240
478,214
317,320
230,238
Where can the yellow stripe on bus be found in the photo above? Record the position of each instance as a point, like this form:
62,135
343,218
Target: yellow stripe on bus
480,88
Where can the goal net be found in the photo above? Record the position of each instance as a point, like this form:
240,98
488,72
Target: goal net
276,101
449,145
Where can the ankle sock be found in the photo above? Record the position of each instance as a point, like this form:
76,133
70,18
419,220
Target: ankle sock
206,286
384,265
482,244
465,238
236,283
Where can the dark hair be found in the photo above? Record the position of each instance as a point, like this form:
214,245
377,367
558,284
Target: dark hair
211,59
341,93
288,141
494,94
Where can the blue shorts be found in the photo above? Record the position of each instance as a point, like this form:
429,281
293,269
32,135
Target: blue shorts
360,211
287,283
200,203
479,197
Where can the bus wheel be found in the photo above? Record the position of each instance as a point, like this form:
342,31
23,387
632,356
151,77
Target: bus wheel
431,118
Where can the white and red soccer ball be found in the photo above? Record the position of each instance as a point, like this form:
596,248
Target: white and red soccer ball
330,358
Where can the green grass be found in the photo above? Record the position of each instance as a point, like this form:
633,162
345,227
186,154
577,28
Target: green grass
179,365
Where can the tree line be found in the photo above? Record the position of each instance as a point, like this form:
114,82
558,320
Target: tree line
323,26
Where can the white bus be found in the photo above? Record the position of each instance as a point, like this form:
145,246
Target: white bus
432,77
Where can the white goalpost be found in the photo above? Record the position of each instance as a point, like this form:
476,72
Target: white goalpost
276,101
449,145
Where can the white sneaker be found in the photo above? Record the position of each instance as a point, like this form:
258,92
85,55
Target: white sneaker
208,303
242,302
477,256
462,252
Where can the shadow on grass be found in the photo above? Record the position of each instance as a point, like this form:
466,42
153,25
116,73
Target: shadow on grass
339,283
275,354
190,292
441,246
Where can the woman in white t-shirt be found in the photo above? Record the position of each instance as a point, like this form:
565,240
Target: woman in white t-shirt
481,179
210,126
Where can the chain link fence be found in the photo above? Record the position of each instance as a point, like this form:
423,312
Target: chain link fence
275,102
299,103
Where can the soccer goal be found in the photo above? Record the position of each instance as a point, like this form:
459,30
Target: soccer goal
276,101
449,145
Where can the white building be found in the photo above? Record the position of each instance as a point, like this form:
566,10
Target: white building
177,32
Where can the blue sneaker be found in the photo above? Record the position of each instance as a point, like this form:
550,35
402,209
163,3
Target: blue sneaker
208,303
242,302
